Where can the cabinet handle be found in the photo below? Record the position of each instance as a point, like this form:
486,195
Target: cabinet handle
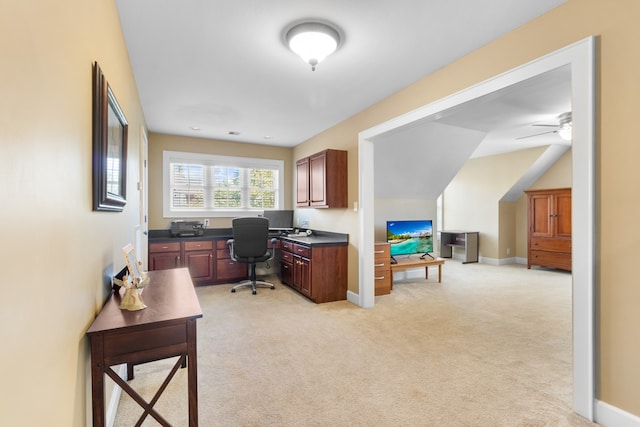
379,278
378,252
378,265
165,247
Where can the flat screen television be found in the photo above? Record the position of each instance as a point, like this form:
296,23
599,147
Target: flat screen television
410,237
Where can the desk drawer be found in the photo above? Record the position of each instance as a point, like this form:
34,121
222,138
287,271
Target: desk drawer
303,251
287,246
164,247
382,251
382,282
200,245
146,341
287,256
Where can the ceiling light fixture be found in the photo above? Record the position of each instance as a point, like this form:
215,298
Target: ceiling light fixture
313,41
566,129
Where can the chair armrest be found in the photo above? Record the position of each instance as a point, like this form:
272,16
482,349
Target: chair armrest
274,240
231,251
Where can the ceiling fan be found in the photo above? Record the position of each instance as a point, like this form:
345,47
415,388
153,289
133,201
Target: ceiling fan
563,128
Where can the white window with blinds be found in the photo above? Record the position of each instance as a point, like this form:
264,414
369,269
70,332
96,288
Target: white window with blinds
197,185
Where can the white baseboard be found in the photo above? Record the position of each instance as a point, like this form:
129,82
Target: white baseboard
610,416
112,408
353,298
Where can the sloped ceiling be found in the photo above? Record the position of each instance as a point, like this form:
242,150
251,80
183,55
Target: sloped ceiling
418,161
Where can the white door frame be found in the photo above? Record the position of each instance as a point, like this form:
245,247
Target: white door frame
581,57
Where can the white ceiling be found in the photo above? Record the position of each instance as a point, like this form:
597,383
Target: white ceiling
221,66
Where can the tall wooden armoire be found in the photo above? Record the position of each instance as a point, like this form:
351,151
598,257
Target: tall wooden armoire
549,228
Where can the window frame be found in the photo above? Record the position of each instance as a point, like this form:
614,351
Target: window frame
169,157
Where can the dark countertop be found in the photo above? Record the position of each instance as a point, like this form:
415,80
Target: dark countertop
209,233
318,238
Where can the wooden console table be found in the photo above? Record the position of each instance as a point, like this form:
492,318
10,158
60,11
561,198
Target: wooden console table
405,263
166,328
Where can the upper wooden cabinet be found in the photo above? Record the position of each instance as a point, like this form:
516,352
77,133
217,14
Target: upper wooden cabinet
549,231
322,180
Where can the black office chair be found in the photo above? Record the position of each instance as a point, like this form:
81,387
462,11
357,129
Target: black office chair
249,245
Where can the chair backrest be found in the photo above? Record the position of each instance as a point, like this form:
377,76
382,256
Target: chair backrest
250,236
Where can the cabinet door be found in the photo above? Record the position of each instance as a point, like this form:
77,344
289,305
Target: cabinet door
297,274
164,261
541,215
563,215
200,264
227,270
317,180
286,273
302,180
304,276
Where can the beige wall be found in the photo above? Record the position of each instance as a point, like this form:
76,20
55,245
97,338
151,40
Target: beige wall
472,200
159,143
618,65
57,254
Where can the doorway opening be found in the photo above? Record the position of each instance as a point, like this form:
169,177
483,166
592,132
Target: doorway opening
581,58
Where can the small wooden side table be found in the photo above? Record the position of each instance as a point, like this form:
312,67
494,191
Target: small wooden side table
166,328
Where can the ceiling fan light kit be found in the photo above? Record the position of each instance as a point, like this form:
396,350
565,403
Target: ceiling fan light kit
313,41
564,131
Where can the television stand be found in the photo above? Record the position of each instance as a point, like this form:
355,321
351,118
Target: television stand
408,263
426,254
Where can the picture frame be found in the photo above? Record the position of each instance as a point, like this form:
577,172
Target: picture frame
133,265
110,134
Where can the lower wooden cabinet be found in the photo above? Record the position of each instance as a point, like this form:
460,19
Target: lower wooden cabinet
198,257
208,260
317,272
382,268
163,256
226,268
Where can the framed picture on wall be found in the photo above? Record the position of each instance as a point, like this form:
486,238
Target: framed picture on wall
110,130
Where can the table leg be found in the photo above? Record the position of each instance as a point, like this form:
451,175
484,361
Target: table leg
192,375
426,272
97,380
439,273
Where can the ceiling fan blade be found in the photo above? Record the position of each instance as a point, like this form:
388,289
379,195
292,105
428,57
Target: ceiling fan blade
537,134
553,126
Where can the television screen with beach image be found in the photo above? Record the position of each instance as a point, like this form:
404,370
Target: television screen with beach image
410,237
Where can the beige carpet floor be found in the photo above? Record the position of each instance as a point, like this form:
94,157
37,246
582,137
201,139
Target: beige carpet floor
489,346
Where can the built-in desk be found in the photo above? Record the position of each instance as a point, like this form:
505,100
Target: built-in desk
464,240
166,328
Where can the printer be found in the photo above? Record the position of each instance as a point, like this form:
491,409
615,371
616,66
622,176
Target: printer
186,228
